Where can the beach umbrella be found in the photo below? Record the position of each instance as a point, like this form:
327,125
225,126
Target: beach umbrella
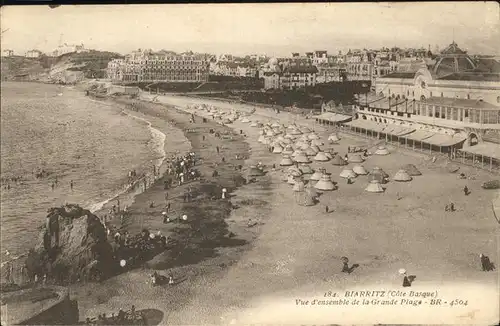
359,170
286,161
402,176
184,217
381,150
321,157
374,186
313,136
402,271
123,262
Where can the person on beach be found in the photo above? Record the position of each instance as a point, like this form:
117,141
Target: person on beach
71,185
53,186
218,150
466,191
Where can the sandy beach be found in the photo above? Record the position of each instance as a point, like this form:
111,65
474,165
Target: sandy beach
294,251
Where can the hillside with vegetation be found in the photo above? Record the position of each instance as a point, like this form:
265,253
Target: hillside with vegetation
68,68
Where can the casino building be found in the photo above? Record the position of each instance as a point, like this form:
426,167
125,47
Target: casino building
448,105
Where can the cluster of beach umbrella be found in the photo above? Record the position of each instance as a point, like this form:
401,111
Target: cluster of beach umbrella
224,116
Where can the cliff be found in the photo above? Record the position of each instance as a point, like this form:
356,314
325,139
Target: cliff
67,69
72,245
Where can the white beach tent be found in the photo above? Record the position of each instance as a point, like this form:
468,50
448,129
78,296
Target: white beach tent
402,176
299,186
333,138
355,158
302,158
306,169
316,142
321,157
311,190
309,151
412,170
347,173
286,161
277,149
288,150
294,171
374,186
382,150
359,170
316,176
337,160
325,183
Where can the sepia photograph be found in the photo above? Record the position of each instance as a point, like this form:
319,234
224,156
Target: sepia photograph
250,164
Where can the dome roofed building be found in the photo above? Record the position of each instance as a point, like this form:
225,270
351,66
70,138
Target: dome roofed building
450,105
452,60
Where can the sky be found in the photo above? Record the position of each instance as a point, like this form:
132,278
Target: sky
273,29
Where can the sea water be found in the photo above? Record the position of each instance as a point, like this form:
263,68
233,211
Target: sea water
71,137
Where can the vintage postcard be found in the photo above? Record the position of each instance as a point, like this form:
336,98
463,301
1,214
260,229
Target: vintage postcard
238,164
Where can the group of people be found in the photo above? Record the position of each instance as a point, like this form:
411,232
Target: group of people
182,169
131,317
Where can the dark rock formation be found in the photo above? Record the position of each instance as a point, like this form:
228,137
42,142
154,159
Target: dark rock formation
72,245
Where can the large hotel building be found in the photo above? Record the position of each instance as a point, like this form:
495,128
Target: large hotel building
148,66
451,105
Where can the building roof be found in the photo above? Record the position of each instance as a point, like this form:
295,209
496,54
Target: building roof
333,117
461,103
400,75
270,73
473,76
488,65
301,69
453,49
485,149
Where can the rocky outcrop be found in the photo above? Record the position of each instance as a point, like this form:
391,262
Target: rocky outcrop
72,245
